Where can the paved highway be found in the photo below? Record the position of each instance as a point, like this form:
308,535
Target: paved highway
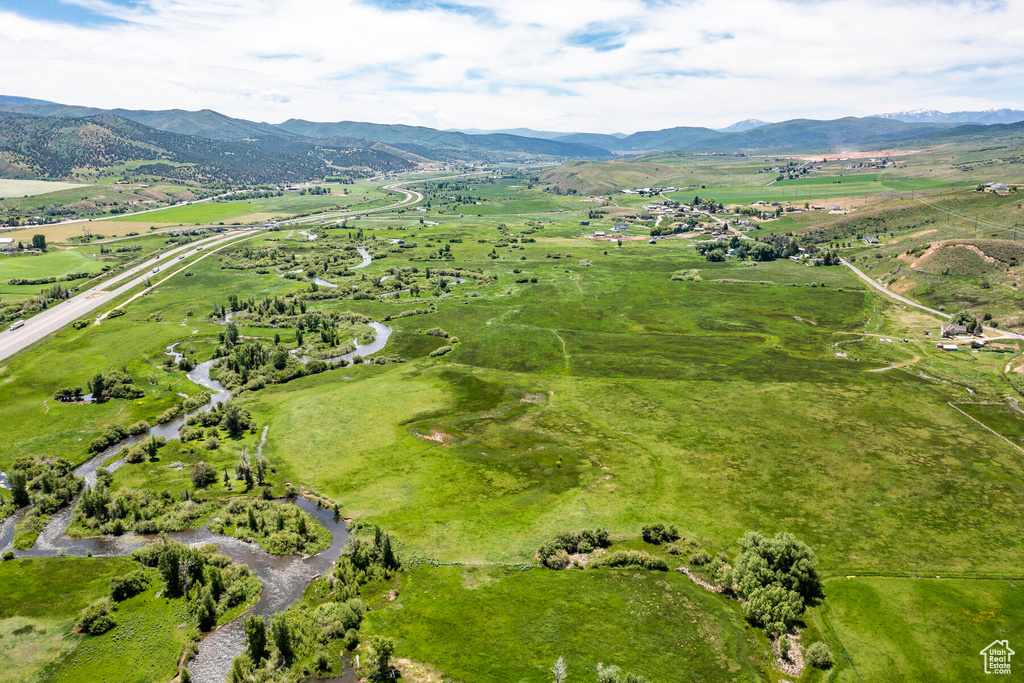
56,317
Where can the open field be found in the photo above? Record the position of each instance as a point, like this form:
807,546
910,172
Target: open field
511,625
921,628
30,188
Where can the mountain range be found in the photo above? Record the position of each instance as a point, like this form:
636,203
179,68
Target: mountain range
48,139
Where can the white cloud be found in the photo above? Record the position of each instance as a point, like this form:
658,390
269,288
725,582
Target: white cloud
703,62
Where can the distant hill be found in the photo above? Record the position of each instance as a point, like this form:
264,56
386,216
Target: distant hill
987,117
797,135
744,125
205,123
420,138
57,147
426,143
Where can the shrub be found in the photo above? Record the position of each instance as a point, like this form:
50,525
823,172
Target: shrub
140,427
571,542
8,555
95,619
632,558
819,656
124,587
700,558
659,533
559,559
440,351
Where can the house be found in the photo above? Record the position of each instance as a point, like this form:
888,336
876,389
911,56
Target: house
871,240
997,187
599,233
950,330
7,243
620,227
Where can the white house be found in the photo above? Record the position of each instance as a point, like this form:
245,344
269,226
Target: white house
7,243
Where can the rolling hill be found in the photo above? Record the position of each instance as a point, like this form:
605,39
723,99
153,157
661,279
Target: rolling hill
56,147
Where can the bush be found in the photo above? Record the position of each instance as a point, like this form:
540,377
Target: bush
124,587
140,427
699,558
819,656
632,558
559,559
8,555
440,351
95,619
571,542
659,533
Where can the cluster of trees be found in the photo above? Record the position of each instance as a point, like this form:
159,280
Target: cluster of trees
101,510
297,640
968,320
279,529
776,577
211,582
707,204
115,384
227,416
47,483
555,553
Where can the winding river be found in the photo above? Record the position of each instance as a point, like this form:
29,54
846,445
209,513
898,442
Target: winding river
284,577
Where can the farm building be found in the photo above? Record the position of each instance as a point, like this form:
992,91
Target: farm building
871,240
620,227
599,233
7,243
950,330
946,347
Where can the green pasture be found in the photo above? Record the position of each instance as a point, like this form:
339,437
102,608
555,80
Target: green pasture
922,628
492,625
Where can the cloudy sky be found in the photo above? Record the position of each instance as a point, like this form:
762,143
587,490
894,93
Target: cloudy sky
569,65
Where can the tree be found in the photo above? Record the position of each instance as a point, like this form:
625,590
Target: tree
39,242
775,576
233,420
255,637
281,632
97,385
202,475
207,610
381,649
784,646
819,656
18,480
169,566
773,607
560,671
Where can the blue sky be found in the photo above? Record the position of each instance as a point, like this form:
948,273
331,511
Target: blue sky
570,65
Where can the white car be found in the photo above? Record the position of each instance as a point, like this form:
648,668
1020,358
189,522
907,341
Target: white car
156,270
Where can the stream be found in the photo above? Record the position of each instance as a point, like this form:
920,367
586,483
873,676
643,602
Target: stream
284,578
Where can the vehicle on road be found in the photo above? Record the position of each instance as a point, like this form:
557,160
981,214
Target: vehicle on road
156,270
199,248
181,257
17,323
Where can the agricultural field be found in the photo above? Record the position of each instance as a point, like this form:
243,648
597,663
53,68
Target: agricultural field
31,188
538,382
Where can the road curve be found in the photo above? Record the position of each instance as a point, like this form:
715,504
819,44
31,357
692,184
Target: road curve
56,317
942,314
